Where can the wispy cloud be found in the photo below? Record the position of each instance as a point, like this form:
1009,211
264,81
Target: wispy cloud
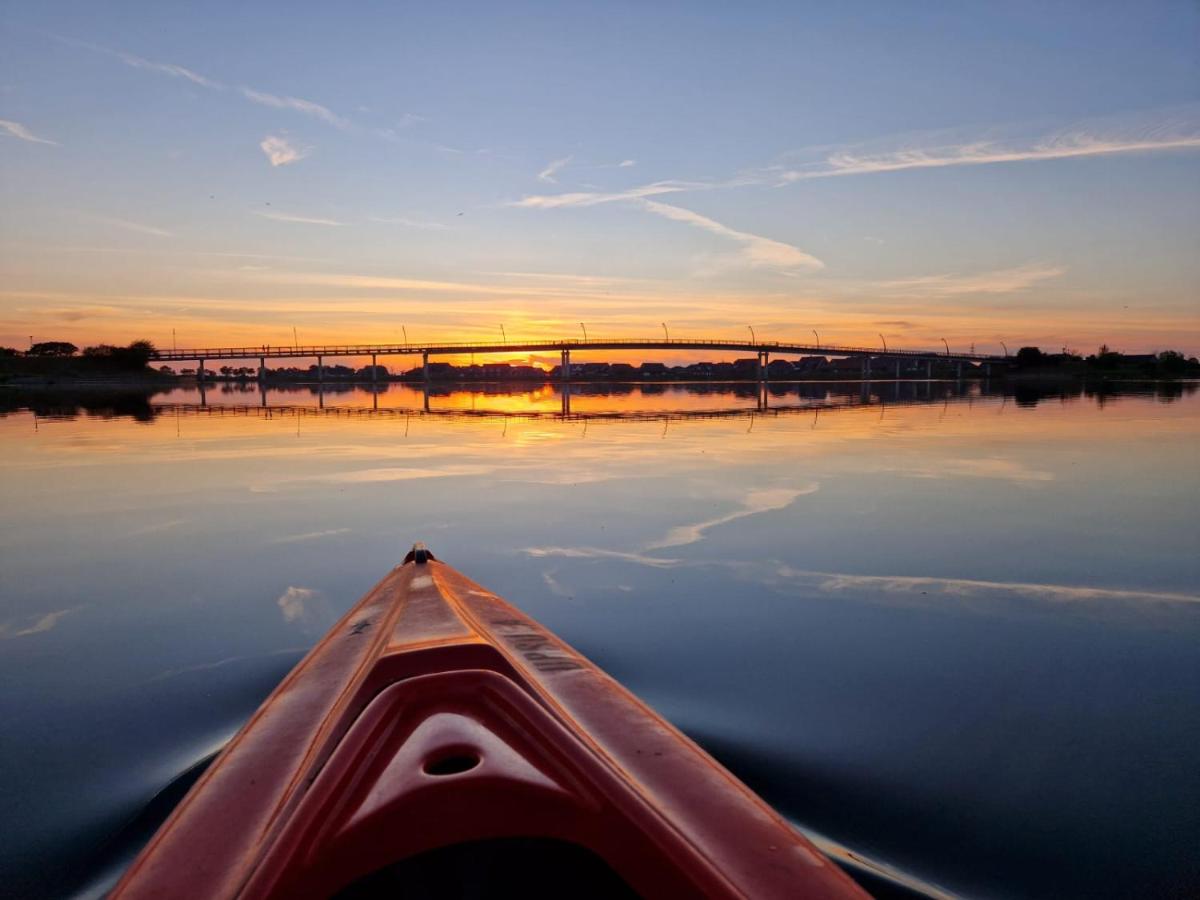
409,223
984,153
552,168
1000,281
595,198
132,226
307,107
626,163
302,220
263,98
165,68
756,250
1152,131
1155,130
280,151
17,130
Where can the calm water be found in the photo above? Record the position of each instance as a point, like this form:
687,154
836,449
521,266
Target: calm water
953,632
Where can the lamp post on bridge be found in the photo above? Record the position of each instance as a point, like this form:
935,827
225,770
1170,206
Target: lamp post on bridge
404,331
666,336
503,336
1005,346
753,339
882,338
947,346
818,337
584,327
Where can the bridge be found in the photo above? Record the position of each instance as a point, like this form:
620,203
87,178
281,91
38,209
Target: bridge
761,349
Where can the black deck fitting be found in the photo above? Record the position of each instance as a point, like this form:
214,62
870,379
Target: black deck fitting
419,554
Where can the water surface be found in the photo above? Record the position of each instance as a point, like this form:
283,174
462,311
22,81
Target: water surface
952,628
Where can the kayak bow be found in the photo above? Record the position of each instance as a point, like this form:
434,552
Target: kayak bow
438,742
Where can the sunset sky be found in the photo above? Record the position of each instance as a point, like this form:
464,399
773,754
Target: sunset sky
979,172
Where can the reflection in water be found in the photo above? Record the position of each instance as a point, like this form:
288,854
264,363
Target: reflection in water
950,627
579,402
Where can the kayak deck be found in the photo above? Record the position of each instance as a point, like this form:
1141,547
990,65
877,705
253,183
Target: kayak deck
438,735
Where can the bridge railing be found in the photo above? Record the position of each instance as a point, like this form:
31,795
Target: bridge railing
452,347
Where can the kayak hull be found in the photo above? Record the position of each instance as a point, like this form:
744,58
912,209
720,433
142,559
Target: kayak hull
436,715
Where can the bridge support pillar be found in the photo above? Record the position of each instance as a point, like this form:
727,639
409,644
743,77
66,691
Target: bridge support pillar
262,369
374,368
320,370
200,372
958,370
929,369
425,368
866,368
987,370
897,370
565,369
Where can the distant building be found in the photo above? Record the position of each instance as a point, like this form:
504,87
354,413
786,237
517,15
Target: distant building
810,364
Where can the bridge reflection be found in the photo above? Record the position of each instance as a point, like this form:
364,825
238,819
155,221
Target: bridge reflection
578,403
607,402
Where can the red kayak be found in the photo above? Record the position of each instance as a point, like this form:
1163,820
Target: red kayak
438,743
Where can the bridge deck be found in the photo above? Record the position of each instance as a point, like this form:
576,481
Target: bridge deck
267,351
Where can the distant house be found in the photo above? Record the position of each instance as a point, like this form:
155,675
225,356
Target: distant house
810,364
745,368
846,366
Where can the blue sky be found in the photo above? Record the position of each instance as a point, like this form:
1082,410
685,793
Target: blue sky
984,172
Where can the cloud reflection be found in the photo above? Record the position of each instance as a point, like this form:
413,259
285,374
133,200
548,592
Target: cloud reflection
756,502
37,625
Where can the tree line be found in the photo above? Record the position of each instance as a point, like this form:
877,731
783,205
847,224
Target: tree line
131,357
1167,364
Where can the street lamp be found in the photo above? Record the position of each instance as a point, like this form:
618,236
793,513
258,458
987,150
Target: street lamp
818,337
404,331
174,344
1005,346
295,339
882,338
753,339
503,336
947,346
584,327
666,336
